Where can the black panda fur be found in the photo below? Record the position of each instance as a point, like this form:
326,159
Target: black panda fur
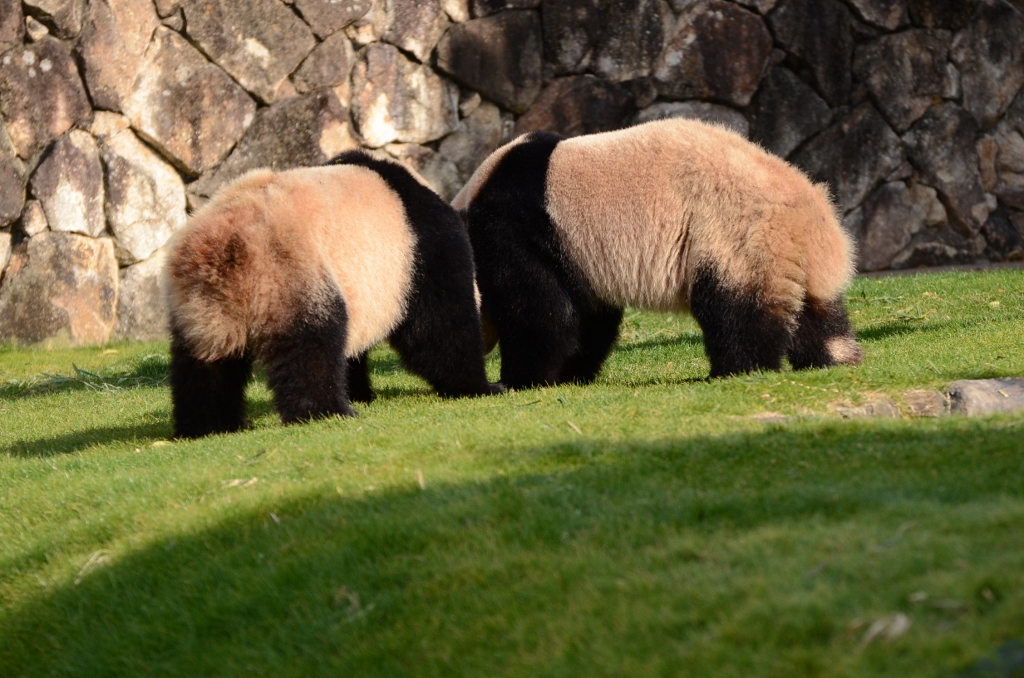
303,271
671,215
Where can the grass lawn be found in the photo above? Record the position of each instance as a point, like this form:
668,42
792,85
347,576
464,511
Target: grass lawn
649,524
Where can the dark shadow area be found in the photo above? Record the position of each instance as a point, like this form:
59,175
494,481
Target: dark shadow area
687,339
71,443
474,578
897,328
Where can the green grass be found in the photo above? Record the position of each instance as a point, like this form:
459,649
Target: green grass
645,525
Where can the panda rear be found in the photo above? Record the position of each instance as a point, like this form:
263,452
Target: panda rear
304,271
670,215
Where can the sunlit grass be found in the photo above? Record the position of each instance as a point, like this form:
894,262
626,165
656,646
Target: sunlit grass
649,524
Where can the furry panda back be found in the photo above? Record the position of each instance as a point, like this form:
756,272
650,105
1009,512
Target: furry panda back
640,210
273,245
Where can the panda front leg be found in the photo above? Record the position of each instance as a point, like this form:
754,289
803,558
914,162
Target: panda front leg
306,365
538,327
206,396
598,330
358,377
441,340
741,332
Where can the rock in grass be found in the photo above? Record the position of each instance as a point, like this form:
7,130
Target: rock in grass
975,397
925,403
880,409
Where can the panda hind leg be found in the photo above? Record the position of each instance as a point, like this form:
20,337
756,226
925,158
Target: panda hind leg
306,365
741,332
358,375
598,330
207,396
823,337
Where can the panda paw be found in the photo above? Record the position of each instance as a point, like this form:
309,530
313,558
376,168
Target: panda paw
496,388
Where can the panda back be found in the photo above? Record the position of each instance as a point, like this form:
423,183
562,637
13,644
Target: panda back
358,228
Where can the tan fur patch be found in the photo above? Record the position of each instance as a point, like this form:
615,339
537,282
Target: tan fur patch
465,197
273,244
639,209
845,350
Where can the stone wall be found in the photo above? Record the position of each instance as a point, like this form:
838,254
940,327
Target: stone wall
120,115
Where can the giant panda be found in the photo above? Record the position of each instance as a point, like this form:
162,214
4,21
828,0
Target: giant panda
303,271
671,215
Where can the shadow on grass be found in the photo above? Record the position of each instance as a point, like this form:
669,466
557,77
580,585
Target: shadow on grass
896,329
685,339
75,441
643,558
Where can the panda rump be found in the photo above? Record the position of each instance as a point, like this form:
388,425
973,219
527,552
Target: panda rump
304,271
671,215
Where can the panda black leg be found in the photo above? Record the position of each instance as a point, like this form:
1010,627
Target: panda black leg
306,366
538,328
823,337
441,340
741,334
359,389
598,330
207,397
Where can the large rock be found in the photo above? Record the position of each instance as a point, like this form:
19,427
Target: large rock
785,112
716,51
905,73
112,46
499,56
259,42
1001,157
302,131
41,95
395,99
1003,240
142,309
615,39
887,14
329,16
69,184
580,104
329,65
12,24
888,220
60,286
990,57
414,26
941,146
145,196
186,106
820,33
853,155
931,253
62,17
473,140
975,397
12,178
696,110
949,14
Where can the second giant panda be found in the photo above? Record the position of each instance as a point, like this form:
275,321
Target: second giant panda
670,215
304,271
